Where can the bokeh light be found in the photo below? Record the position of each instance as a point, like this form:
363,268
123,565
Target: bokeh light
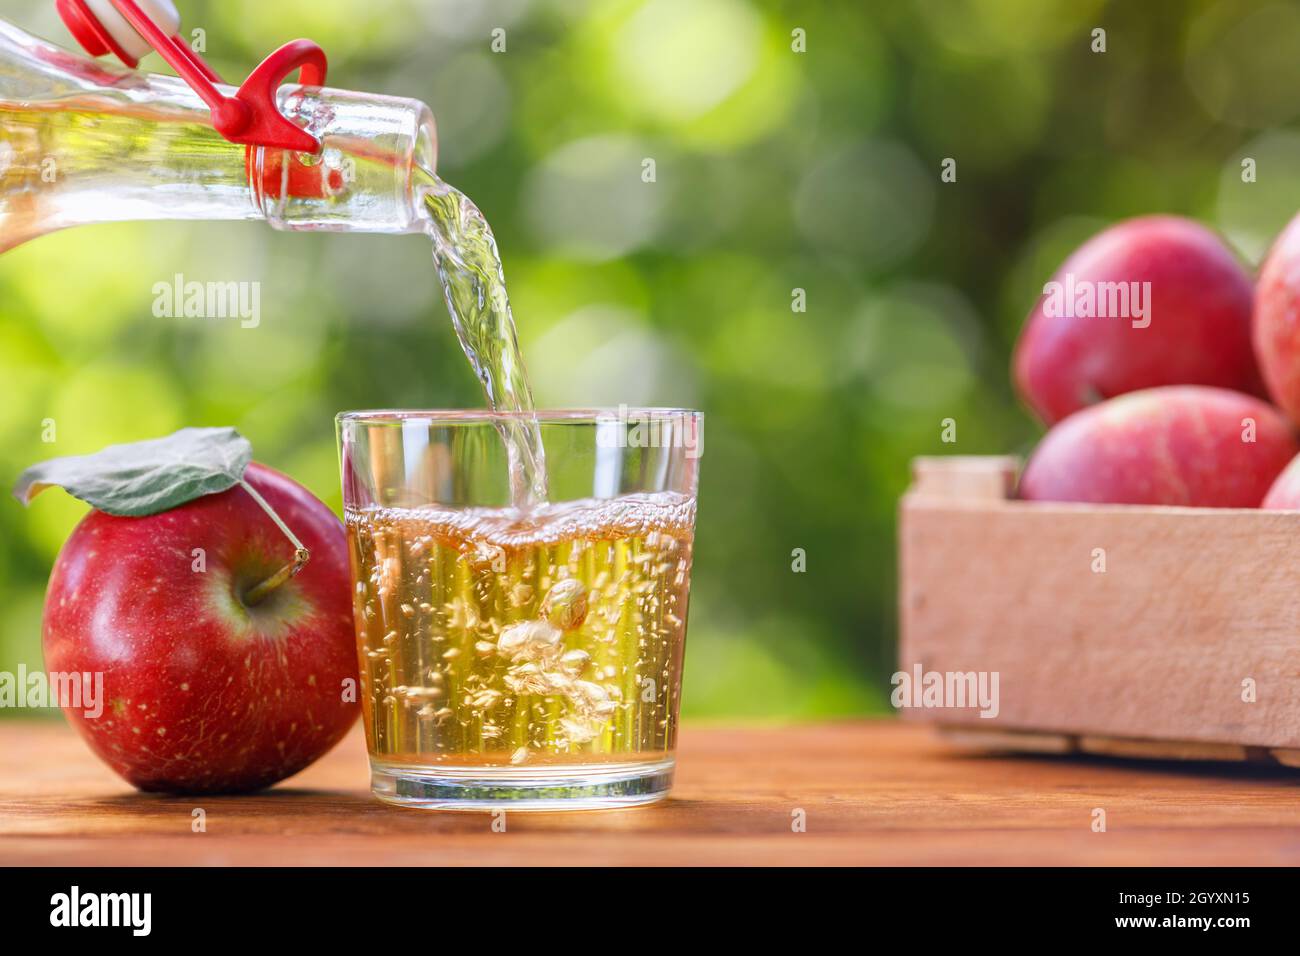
872,200
1233,59
1255,202
589,199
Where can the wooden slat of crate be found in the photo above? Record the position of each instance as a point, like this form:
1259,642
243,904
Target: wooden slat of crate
1153,652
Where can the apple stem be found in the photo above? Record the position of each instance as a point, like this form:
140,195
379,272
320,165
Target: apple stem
258,592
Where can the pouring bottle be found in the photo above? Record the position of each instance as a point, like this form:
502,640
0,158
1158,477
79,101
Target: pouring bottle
84,141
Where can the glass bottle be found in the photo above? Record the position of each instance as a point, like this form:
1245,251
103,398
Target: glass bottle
82,141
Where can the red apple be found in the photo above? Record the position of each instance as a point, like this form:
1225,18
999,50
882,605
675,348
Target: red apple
1188,325
1178,445
1277,320
204,692
1284,495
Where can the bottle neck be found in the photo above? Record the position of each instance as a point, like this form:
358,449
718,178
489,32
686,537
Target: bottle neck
374,150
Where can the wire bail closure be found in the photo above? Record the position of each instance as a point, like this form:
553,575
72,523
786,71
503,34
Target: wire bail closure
251,117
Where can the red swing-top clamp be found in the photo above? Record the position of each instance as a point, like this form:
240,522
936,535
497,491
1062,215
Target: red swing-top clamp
251,116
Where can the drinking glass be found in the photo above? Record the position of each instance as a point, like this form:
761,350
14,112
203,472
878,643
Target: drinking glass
520,657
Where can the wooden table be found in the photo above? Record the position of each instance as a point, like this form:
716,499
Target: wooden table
874,792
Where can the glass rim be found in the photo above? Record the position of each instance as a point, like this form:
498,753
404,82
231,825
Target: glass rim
481,416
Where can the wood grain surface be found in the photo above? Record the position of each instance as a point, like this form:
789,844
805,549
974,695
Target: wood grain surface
874,792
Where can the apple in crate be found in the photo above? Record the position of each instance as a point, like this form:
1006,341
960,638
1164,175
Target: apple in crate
216,605
1158,300
1178,445
1277,320
1285,493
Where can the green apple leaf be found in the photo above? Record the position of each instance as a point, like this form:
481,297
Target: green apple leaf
144,478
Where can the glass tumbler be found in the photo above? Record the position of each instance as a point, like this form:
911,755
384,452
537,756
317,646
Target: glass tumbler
526,658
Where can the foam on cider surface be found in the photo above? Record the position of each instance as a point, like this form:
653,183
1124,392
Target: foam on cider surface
591,519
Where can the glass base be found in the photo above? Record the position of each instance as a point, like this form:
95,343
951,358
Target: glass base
574,787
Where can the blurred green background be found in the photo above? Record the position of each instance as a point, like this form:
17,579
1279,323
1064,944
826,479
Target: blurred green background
776,170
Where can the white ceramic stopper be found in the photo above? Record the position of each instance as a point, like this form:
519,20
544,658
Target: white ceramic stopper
161,12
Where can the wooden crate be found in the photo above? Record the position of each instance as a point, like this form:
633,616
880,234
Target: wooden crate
1148,658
